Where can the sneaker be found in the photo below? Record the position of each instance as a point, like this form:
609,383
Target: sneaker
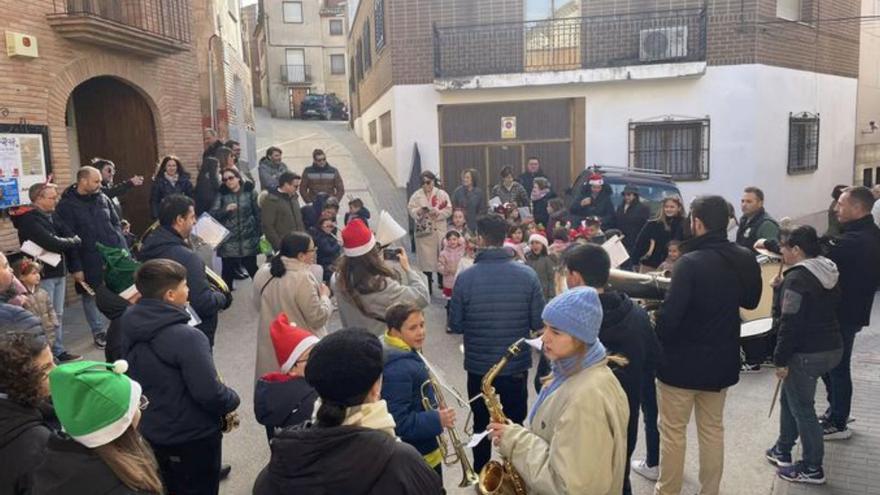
749,368
641,467
66,357
100,340
777,458
826,417
831,432
800,473
224,471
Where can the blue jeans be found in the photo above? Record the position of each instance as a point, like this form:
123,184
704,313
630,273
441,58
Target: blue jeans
649,413
56,287
797,415
93,316
838,381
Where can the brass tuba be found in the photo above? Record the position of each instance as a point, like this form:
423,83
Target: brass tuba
499,478
649,288
458,456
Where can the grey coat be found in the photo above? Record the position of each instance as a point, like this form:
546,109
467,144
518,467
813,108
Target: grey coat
411,288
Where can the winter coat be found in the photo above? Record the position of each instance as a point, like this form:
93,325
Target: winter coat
545,268
326,179
19,318
698,323
363,213
243,223
516,194
269,173
50,233
295,294
172,361
280,215
600,206
282,401
805,309
527,179
577,439
162,188
116,191
494,303
631,220
207,302
652,243
833,222
329,250
472,201
447,264
23,438
312,213
40,304
94,219
410,288
758,226
71,468
402,379
539,209
207,185
429,231
312,460
857,255
112,306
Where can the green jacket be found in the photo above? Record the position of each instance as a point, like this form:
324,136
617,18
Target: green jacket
281,215
243,223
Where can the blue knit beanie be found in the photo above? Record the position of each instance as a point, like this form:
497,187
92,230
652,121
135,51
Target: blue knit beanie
576,312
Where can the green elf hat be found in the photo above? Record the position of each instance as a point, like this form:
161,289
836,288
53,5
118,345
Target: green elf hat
94,401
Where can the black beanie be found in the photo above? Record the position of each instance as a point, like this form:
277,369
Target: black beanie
344,365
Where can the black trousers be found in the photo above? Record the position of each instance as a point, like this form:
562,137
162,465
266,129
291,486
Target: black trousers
191,468
231,265
514,398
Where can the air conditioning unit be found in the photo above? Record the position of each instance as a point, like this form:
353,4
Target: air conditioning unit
661,44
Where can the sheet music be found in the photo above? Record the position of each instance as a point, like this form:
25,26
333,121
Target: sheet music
616,251
38,252
210,230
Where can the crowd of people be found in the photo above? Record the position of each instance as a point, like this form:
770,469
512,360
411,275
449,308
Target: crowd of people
348,410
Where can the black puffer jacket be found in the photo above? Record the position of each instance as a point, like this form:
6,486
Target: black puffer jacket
207,184
311,460
94,219
72,469
631,220
656,231
48,232
162,187
857,255
699,324
23,438
282,400
244,223
600,206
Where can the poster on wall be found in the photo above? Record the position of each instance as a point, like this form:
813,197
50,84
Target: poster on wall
24,161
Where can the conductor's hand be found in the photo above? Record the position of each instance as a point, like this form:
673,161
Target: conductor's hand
447,417
586,201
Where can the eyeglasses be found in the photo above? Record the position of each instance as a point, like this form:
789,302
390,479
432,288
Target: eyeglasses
229,178
144,403
320,160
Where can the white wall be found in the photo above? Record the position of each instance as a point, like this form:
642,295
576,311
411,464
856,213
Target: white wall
386,156
748,105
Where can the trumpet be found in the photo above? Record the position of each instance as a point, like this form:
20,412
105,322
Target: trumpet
457,456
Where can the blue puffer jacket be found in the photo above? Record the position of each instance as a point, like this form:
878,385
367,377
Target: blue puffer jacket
172,361
18,319
402,380
495,303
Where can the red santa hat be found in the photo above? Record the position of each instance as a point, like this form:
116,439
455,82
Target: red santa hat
290,342
357,239
596,180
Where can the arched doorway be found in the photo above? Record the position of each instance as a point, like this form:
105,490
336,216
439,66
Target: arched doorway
111,119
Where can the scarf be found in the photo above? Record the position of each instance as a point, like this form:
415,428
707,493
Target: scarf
539,194
564,368
373,415
172,179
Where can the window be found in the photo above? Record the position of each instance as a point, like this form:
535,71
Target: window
372,128
360,61
803,143
368,46
295,69
293,12
337,64
352,77
385,129
336,27
677,148
379,16
788,9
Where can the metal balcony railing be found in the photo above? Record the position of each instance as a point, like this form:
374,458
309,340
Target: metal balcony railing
296,74
165,19
570,43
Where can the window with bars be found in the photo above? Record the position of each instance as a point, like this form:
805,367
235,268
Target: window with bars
803,143
379,20
679,148
385,129
368,46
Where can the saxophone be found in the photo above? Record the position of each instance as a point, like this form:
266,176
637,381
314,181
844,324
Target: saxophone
499,478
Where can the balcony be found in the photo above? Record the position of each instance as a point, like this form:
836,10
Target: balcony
149,28
644,45
295,75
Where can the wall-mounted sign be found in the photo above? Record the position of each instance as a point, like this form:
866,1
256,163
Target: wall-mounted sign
24,161
508,127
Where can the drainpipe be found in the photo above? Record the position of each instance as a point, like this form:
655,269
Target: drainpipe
211,96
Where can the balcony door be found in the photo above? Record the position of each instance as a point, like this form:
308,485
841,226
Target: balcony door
552,34
295,70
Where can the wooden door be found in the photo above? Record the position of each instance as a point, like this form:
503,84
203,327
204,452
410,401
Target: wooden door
114,121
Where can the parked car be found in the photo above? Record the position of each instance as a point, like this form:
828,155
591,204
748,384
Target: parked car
326,107
654,187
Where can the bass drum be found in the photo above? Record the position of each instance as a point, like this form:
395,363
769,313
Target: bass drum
770,268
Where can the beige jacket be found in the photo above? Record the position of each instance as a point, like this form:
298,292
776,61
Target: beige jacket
296,294
577,441
428,245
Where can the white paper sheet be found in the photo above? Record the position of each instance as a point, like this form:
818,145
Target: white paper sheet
35,250
616,251
210,230
476,438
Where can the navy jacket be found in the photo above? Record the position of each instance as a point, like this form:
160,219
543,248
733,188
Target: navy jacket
19,319
857,255
162,187
495,302
172,361
94,219
281,400
165,243
699,324
601,206
47,231
402,381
